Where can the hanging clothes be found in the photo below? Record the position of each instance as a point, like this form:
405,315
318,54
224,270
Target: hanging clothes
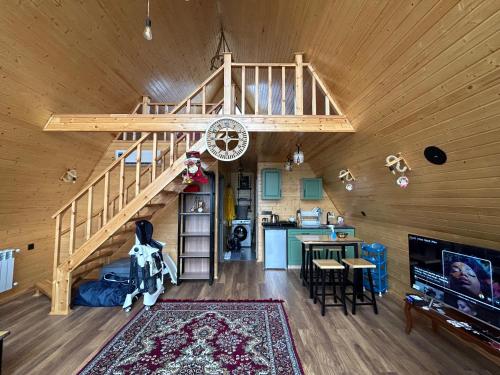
229,211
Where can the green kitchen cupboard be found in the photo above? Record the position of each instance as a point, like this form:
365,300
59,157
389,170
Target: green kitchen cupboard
311,189
271,184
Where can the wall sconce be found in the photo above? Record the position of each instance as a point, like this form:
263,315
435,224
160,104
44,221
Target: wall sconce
288,164
397,163
69,176
347,178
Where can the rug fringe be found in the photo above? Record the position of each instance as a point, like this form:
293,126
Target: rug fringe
222,300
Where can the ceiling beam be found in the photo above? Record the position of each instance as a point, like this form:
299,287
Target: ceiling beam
196,122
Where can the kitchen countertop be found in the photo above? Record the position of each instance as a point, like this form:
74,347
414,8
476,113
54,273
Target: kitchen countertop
285,227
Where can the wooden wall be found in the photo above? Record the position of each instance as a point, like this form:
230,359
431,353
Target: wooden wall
430,79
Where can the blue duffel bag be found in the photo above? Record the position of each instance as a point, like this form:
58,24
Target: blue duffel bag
101,293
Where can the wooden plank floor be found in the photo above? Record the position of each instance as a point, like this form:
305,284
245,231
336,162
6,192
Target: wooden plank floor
334,344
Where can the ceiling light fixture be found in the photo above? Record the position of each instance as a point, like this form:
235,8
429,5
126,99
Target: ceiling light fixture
218,59
298,156
148,32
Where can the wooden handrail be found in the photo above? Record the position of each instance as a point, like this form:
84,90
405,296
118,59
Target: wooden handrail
198,89
101,175
148,169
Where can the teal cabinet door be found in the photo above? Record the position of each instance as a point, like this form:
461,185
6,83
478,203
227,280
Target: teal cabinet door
311,188
294,252
271,184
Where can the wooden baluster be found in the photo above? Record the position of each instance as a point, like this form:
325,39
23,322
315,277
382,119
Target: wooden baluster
256,104
227,83
72,227
164,136
157,109
204,100
121,198
89,212
124,136
57,242
155,157
327,106
106,198
172,148
243,89
313,96
299,85
188,106
134,136
269,90
138,158
188,141
283,91
162,163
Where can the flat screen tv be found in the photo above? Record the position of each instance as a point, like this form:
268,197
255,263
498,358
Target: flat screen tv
464,277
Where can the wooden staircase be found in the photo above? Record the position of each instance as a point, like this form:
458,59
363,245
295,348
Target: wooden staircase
100,219
91,238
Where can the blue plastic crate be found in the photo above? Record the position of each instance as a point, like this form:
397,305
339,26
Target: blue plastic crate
376,253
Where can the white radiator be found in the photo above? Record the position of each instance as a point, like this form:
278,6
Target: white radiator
7,269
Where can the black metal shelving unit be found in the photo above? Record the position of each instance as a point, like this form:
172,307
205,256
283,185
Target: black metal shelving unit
198,263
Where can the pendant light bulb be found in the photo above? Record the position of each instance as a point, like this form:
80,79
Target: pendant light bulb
148,32
298,156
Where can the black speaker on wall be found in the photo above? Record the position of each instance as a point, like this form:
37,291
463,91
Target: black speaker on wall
435,155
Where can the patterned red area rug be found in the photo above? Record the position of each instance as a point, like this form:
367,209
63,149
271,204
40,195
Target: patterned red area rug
202,337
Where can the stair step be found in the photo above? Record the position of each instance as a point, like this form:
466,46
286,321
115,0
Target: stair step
81,271
137,218
115,244
44,287
123,231
96,257
155,205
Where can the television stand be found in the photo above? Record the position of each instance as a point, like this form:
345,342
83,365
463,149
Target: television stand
478,335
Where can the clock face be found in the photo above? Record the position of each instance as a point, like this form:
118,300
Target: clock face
226,139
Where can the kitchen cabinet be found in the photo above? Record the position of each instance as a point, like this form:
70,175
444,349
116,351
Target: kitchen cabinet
271,184
311,189
275,248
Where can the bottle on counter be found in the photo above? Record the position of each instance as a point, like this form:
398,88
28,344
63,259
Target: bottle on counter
333,235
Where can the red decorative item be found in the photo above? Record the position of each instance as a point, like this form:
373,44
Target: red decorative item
192,188
193,172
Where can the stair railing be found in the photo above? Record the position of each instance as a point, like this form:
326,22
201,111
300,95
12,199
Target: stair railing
83,219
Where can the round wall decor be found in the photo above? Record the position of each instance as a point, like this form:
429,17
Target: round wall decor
226,139
435,155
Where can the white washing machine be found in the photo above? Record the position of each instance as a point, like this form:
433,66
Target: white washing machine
242,229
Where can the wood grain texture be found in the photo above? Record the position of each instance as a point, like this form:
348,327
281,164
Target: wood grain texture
329,345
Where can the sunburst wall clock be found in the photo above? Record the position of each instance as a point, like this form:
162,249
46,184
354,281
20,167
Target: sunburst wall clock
227,139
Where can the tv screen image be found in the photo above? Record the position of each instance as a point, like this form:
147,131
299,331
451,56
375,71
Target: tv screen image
465,277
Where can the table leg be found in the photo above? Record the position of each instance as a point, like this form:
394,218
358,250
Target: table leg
356,250
311,271
409,318
302,265
343,251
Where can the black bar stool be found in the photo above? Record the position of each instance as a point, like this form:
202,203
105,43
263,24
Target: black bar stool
321,267
358,265
304,269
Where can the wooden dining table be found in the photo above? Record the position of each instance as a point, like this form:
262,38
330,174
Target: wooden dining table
325,241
